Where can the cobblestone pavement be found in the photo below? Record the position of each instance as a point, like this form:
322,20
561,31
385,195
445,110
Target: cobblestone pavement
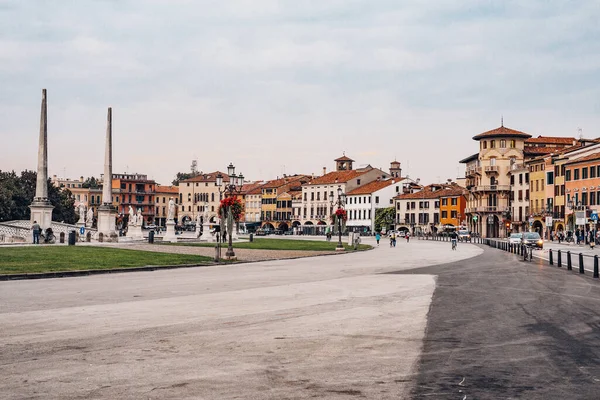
241,254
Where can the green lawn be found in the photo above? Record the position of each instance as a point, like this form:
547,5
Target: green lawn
18,260
282,244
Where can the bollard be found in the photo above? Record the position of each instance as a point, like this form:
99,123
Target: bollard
596,274
581,269
569,265
62,237
151,236
550,257
559,258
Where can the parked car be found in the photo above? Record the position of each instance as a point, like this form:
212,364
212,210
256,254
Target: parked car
261,232
464,236
533,239
515,238
150,226
288,233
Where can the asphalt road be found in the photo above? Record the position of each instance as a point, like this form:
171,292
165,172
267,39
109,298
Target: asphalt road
500,328
334,327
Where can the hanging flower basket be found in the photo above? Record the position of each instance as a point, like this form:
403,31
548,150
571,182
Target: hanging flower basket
234,204
339,213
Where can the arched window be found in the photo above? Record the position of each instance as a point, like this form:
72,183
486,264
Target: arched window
492,144
485,144
513,144
502,144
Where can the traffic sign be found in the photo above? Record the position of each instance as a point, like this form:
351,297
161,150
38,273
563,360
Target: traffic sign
594,216
82,230
475,218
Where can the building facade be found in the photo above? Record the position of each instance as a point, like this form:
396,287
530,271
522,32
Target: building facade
363,202
163,195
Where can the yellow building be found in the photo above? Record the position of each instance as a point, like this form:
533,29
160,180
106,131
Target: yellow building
537,193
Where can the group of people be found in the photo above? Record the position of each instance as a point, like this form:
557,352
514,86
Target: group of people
580,237
393,237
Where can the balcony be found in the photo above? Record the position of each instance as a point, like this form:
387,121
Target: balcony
485,209
492,188
491,169
472,171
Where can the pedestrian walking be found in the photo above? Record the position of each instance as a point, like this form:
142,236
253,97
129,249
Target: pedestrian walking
36,232
377,238
407,236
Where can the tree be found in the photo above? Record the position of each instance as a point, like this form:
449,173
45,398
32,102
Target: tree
182,176
91,183
17,192
384,217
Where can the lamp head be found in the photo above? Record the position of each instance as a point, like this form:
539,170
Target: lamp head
219,180
230,170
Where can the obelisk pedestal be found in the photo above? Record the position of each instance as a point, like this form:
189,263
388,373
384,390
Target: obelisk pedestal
41,209
134,232
170,233
206,236
106,212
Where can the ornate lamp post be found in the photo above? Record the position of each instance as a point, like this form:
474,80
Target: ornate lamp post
340,203
229,190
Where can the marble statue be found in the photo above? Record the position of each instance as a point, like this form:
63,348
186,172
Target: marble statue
171,214
131,216
139,220
89,220
81,212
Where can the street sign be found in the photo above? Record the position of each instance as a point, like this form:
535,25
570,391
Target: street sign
594,216
82,230
548,221
475,218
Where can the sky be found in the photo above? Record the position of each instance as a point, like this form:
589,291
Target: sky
287,86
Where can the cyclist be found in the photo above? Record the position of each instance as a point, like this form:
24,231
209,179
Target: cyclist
453,239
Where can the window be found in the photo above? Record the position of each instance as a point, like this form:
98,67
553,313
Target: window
444,214
502,144
436,204
584,173
584,198
318,196
305,194
485,144
576,174
513,144
454,214
592,198
592,172
568,175
526,177
550,178
376,199
444,202
312,196
454,201
492,144
358,181
520,179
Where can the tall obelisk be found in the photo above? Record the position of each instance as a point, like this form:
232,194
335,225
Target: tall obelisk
41,209
106,212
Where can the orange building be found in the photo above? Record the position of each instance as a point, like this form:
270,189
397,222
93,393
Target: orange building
134,190
582,187
453,202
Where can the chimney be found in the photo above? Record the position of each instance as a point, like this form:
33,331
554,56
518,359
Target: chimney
324,170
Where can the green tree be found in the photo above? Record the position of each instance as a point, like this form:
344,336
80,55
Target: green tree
91,183
384,217
17,192
182,176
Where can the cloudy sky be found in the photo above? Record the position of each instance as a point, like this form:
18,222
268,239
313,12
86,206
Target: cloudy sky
287,86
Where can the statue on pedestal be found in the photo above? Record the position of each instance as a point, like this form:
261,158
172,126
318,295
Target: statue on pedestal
139,219
131,221
171,213
89,220
81,213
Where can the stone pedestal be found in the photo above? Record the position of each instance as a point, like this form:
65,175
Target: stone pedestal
135,232
42,213
206,236
170,233
106,222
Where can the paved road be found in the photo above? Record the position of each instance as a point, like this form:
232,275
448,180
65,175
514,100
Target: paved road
330,327
500,328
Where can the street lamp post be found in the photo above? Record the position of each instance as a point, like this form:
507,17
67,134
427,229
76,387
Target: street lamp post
233,187
340,203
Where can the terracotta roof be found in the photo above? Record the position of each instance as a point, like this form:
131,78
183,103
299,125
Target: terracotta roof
167,189
374,186
539,150
343,158
248,187
275,183
427,193
551,140
501,131
209,177
589,157
336,177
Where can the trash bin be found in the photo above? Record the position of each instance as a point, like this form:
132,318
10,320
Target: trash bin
72,238
251,237
151,237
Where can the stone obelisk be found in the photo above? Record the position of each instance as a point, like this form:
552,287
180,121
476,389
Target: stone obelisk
106,212
41,209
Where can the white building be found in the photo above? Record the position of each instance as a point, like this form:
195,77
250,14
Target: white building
519,186
362,202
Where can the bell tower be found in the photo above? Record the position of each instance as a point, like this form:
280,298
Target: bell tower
395,169
343,163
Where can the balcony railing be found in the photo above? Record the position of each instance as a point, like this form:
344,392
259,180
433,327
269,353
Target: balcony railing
491,169
491,188
473,171
484,209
